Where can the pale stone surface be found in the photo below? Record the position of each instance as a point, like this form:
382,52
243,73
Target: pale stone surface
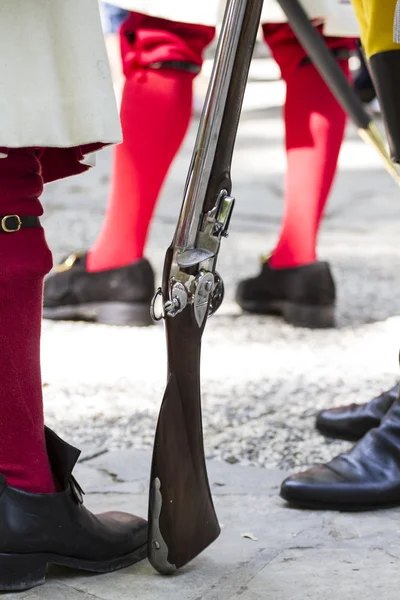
297,555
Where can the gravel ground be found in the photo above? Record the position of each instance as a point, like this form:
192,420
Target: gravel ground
263,381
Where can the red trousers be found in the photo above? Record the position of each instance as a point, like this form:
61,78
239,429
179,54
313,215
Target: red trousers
25,260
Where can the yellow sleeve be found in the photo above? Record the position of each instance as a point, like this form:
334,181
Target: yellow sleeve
376,19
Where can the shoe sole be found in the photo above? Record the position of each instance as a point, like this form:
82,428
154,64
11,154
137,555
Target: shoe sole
310,505
107,313
20,572
299,315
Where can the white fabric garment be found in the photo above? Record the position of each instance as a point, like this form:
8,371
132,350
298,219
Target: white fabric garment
55,81
337,15
397,23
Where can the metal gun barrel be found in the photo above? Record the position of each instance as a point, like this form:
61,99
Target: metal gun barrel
210,125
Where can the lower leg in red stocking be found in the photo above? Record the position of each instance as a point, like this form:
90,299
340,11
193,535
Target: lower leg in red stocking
155,114
25,259
315,126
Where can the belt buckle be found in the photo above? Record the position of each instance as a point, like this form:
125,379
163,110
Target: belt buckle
8,229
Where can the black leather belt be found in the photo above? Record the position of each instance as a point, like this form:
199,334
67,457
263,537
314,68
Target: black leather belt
13,223
180,65
339,53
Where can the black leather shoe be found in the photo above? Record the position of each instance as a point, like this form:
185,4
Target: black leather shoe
304,296
362,82
366,478
114,297
353,421
41,529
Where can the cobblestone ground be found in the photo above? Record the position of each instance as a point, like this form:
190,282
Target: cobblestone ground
263,381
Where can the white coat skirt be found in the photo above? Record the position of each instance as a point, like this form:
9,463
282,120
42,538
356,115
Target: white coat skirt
337,15
55,82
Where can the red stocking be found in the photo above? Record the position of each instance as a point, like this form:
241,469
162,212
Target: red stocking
155,114
315,126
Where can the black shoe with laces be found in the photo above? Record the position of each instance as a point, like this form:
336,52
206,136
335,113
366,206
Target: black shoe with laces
42,529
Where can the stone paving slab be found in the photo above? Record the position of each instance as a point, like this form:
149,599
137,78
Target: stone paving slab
298,555
325,574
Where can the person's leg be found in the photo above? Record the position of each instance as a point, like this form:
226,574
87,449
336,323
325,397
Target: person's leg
25,261
380,35
160,59
292,282
314,123
42,519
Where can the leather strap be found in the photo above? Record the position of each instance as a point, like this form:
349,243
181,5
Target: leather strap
385,73
176,64
339,53
13,223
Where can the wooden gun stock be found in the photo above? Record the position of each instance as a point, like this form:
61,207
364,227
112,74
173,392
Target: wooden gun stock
182,514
